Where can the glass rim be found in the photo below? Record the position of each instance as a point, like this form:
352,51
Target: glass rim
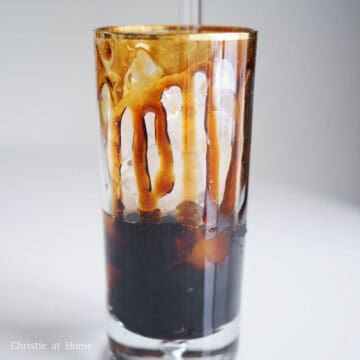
189,32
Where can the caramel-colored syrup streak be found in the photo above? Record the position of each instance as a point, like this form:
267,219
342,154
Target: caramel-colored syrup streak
115,160
147,98
149,101
245,160
232,184
189,146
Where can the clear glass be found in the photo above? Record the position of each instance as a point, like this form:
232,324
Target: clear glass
190,12
175,116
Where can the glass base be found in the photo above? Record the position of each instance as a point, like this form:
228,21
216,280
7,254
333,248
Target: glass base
221,345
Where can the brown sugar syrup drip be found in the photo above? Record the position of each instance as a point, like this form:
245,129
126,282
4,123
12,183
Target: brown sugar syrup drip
148,99
233,181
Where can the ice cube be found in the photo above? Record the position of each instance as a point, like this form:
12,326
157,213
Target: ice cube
127,134
128,179
143,71
152,151
172,102
172,99
200,90
225,88
150,127
106,181
225,78
105,118
105,110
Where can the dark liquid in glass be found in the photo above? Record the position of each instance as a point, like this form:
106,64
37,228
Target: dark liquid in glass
171,280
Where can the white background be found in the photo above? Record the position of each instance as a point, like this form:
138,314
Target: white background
301,284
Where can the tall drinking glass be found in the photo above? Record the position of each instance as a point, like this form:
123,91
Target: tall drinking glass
175,117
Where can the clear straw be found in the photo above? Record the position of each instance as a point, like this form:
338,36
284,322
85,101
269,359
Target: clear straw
190,12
